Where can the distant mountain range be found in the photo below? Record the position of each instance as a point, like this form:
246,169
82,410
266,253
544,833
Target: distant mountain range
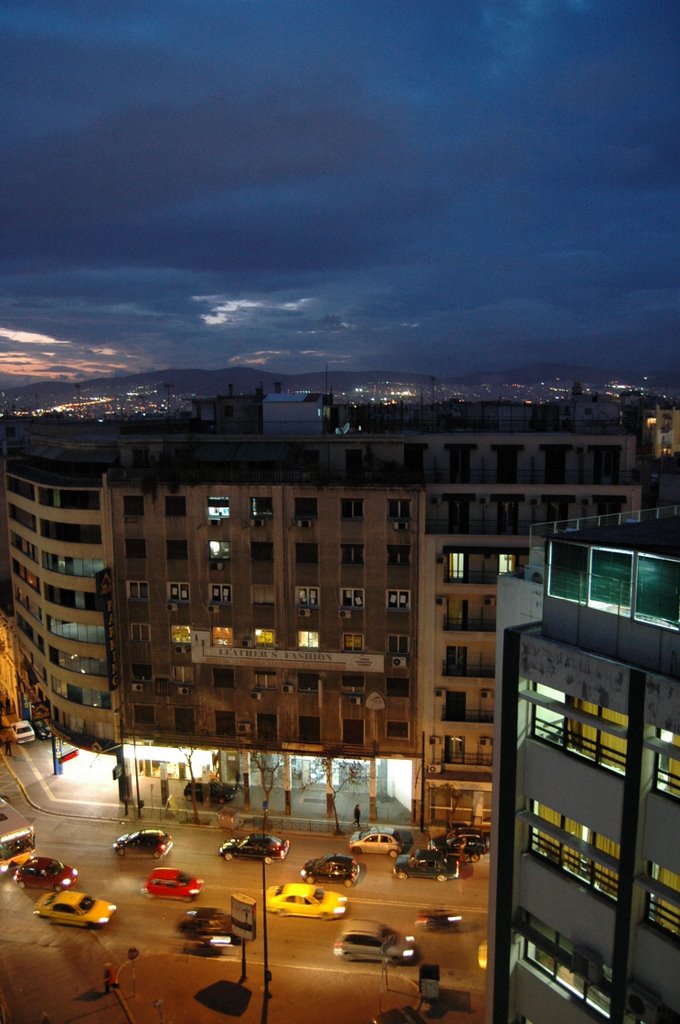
244,380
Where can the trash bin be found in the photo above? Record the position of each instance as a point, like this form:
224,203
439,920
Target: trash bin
429,981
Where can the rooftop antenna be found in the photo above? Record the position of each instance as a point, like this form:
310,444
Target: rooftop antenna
168,388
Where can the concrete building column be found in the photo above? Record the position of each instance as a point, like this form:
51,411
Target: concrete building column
245,778
372,788
287,795
329,788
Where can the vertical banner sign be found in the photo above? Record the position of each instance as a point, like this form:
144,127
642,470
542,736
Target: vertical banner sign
104,592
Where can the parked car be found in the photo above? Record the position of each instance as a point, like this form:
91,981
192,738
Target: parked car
151,842
427,864
334,867
370,940
22,732
172,884
219,792
380,840
470,832
42,729
45,873
298,899
74,908
256,845
466,847
209,926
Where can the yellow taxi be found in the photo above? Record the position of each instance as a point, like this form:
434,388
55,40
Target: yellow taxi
299,899
76,908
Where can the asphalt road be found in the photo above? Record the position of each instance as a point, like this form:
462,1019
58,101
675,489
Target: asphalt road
58,970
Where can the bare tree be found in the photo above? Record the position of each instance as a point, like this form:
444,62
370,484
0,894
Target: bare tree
268,765
187,753
349,775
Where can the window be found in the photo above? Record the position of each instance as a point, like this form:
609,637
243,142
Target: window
135,547
138,590
175,505
178,591
176,550
145,714
398,643
610,579
220,593
183,674
352,598
223,678
507,517
307,597
306,554
262,593
308,682
218,508
308,638
352,554
261,551
219,550
266,727
507,563
398,554
133,504
265,680
398,508
456,661
352,508
396,730
396,687
352,642
225,723
141,673
658,589
261,508
180,634
265,637
568,568
352,683
140,631
306,508
309,728
399,599
456,567
222,636
185,721
353,731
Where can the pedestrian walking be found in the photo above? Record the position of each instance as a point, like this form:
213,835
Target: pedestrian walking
357,815
8,746
110,978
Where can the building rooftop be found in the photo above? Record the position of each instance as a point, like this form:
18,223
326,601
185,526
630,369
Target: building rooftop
660,536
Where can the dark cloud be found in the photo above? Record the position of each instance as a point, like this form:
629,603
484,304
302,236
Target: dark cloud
489,179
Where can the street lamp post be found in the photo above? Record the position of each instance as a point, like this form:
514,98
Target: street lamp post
267,972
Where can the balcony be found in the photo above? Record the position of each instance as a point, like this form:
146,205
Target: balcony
472,576
458,625
472,670
480,760
468,715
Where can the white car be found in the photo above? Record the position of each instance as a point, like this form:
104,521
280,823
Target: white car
22,732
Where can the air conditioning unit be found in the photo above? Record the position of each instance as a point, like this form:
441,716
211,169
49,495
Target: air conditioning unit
243,728
171,606
183,691
138,687
490,602
398,662
257,522
245,642
485,741
287,688
401,524
304,523
355,700
256,694
643,1004
182,648
214,520
440,559
213,608
485,694
434,769
439,693
345,613
439,600
219,566
588,964
304,613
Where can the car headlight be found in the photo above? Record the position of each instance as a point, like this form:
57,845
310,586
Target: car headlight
407,952
339,910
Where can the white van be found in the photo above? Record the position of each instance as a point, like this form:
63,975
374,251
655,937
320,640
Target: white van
23,732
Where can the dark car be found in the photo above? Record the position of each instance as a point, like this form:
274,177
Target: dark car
151,842
219,792
334,867
41,729
469,844
45,873
258,846
209,926
427,864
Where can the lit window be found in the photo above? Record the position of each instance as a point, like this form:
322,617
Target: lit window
222,636
218,550
352,642
265,637
218,508
308,638
180,634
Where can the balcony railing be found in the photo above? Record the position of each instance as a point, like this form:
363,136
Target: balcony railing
469,715
483,760
472,576
473,670
457,624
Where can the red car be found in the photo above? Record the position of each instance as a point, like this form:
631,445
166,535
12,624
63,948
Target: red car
45,873
173,884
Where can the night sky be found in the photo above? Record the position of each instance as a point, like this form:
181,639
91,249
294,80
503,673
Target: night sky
436,187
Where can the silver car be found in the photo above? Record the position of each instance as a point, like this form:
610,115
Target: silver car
379,840
370,940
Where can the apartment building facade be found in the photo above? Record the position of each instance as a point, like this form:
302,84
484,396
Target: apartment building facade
585,887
